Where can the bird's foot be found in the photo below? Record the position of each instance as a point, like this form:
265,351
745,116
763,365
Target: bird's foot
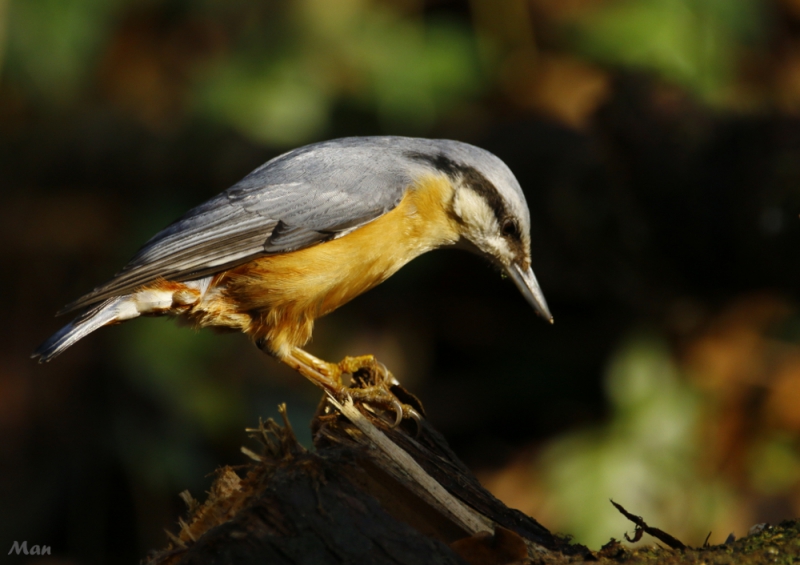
369,367
381,397
374,384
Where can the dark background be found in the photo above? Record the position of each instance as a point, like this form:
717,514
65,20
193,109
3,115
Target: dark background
657,142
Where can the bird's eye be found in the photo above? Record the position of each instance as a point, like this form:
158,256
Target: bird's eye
510,228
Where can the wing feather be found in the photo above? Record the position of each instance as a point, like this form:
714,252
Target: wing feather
302,198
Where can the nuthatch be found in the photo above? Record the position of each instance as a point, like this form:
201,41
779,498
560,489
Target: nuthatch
307,232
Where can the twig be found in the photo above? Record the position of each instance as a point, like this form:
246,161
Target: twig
641,525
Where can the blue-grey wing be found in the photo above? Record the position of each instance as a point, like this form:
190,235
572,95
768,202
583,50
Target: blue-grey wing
302,198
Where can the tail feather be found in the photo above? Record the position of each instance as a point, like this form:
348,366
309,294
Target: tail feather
111,311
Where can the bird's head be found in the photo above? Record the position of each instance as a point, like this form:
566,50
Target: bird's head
491,213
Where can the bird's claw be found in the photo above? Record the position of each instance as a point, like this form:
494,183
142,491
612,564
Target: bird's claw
417,417
398,412
375,382
381,397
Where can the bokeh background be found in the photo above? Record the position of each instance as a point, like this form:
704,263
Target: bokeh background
658,144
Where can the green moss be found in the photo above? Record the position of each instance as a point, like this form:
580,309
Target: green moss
774,545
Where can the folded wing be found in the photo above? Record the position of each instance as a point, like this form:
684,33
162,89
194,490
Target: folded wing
302,198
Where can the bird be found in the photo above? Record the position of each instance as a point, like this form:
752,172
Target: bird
308,231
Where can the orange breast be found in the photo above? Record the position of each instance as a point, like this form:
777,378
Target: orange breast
285,293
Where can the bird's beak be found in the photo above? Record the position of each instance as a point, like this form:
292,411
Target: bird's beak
527,285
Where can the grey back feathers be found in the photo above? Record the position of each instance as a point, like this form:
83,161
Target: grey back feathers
301,198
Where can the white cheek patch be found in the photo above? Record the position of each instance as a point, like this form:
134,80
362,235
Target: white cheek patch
474,211
481,226
501,246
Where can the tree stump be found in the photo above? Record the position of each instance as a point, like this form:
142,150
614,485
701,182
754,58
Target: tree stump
369,493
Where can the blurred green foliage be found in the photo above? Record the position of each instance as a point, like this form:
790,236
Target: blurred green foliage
774,464
406,72
174,365
54,46
694,43
283,69
645,457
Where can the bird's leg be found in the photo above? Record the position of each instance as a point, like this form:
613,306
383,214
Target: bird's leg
326,375
330,370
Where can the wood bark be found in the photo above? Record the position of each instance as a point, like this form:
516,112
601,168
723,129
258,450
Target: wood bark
368,493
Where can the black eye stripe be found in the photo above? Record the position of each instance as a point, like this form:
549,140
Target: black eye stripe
469,177
474,180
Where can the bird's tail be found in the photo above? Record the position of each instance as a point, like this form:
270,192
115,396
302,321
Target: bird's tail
111,311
